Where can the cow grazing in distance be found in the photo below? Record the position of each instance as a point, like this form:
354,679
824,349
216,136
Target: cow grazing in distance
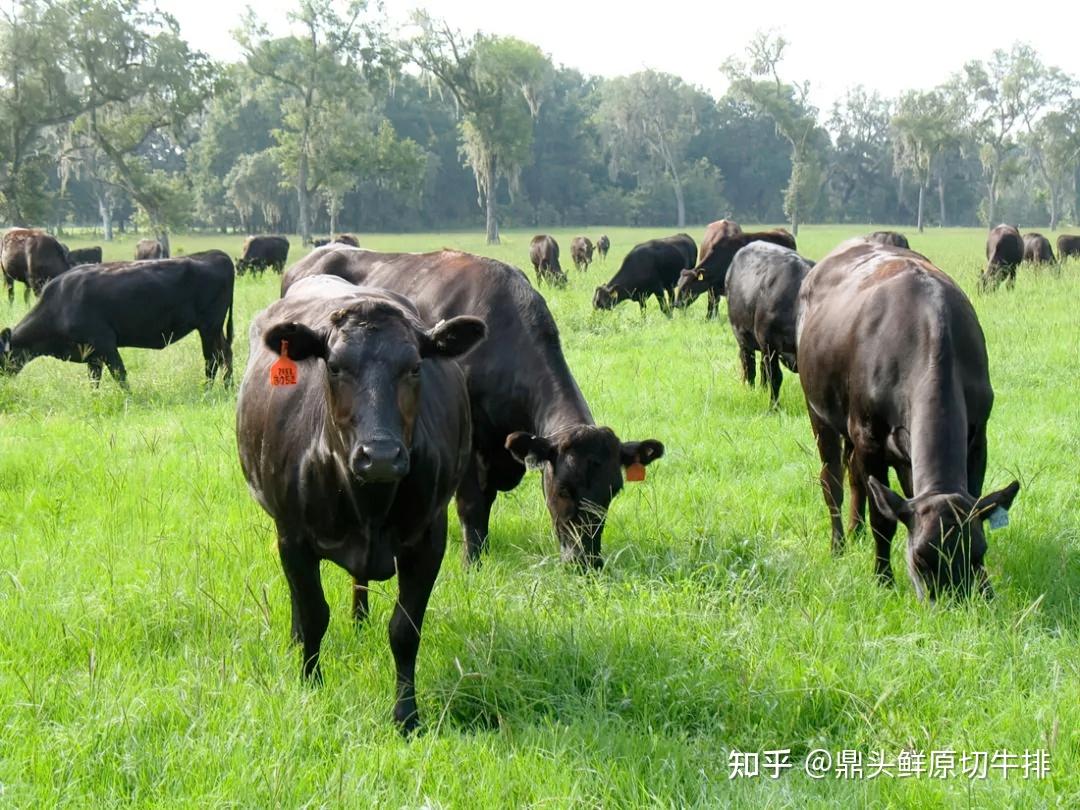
893,363
90,255
1068,245
32,257
603,245
723,239
1004,251
581,251
346,239
889,238
544,255
1037,249
261,252
526,405
320,243
356,461
649,269
763,294
150,249
90,312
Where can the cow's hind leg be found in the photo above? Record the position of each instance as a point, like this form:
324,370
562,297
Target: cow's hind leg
746,358
217,354
884,528
713,299
770,367
832,476
310,613
9,283
115,364
417,570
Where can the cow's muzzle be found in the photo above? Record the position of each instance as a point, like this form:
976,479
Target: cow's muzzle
380,461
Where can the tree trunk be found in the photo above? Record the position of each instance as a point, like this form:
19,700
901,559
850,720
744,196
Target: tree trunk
302,198
333,220
918,216
105,209
489,200
991,200
941,198
1053,209
680,204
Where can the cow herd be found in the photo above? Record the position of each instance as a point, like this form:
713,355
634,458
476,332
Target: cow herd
381,385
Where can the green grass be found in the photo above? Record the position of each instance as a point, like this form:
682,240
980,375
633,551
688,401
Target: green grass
144,617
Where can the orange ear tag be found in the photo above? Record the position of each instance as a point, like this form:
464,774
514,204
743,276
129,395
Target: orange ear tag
635,472
283,372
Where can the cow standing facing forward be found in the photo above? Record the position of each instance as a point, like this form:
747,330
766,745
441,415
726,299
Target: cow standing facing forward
356,460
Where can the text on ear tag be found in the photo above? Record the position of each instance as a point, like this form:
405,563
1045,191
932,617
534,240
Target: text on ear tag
283,372
635,472
999,518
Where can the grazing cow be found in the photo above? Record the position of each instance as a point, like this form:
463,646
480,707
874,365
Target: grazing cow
1037,248
544,255
346,239
32,257
1004,251
763,294
889,238
90,255
723,239
651,268
357,458
320,243
1068,245
893,364
526,405
581,250
90,312
150,249
603,245
261,252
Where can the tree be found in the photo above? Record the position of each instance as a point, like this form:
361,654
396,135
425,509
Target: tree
253,187
1054,147
998,97
923,126
648,120
861,163
318,73
145,84
499,84
788,106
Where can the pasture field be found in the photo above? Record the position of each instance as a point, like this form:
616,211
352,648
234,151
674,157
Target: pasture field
144,657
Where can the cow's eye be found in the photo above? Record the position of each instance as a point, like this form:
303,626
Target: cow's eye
415,371
333,369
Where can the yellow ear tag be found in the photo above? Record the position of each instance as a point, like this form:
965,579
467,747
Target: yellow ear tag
283,372
700,276
614,295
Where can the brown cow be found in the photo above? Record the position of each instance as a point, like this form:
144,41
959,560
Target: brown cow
1068,245
893,364
1037,248
32,257
723,239
603,245
581,250
889,238
1004,251
544,255
150,249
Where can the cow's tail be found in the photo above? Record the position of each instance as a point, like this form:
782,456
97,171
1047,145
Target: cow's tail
229,322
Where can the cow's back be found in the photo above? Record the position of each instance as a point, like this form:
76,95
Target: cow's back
763,284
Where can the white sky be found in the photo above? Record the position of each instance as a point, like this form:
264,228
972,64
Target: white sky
836,44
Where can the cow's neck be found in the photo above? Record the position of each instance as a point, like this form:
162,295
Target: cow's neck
939,438
558,404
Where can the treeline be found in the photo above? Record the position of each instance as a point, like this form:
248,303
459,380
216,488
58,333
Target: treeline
109,118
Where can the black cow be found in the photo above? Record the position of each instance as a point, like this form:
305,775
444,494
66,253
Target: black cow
90,312
544,255
1037,249
526,405
346,239
1004,251
723,239
603,245
261,252
320,243
356,461
651,268
763,294
32,257
150,249
581,251
889,238
893,364
1068,245
90,255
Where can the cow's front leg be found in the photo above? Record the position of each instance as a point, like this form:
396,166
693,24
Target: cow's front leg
310,613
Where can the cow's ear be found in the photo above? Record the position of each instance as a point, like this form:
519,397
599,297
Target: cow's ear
453,337
890,504
304,342
644,452
1002,499
530,450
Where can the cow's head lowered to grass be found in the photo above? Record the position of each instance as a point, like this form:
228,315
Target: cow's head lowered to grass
583,471
373,355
